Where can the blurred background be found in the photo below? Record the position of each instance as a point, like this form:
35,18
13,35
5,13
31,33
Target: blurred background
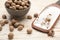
36,7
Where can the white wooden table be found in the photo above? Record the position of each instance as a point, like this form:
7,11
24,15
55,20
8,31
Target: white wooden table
36,7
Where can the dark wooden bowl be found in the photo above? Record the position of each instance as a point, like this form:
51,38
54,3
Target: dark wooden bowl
18,13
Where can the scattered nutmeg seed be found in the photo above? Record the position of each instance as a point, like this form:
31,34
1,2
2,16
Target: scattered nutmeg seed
29,31
13,21
11,28
51,33
5,21
10,24
36,15
4,16
20,28
10,36
16,24
21,25
29,17
0,28
2,23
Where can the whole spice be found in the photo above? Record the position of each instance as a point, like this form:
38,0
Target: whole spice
13,4
17,6
11,28
5,21
35,15
16,24
20,7
29,17
20,28
13,21
9,1
7,5
51,33
10,36
0,28
13,7
23,3
25,7
4,16
10,24
19,2
29,31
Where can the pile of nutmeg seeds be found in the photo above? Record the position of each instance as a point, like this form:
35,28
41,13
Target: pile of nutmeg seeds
17,4
13,24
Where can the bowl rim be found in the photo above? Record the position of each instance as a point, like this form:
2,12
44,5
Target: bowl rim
19,10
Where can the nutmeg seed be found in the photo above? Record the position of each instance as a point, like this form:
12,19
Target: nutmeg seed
10,36
10,24
35,15
13,21
19,2
5,21
13,4
29,17
4,17
11,28
2,22
17,6
23,3
7,5
29,31
20,7
16,24
0,28
13,7
27,4
15,1
20,28
9,2
51,33
25,7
